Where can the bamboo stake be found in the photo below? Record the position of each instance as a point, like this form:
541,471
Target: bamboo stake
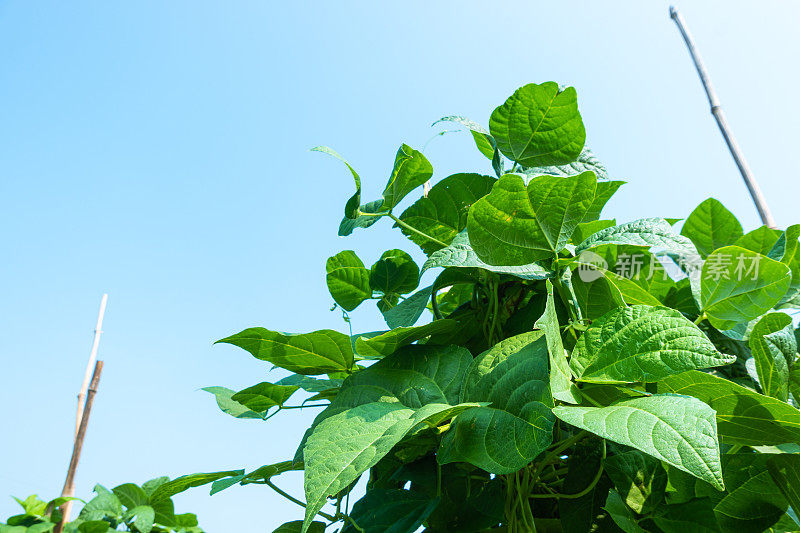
69,483
82,395
716,110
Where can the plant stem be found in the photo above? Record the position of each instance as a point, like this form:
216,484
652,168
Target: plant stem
585,491
415,230
295,500
700,319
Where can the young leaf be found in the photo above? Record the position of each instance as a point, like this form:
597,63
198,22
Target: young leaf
586,162
264,395
642,343
459,254
561,385
443,213
347,279
774,346
679,430
351,208
390,511
229,406
517,225
368,214
518,425
104,504
180,484
394,273
738,285
711,226
539,125
744,417
390,341
483,140
318,352
411,169
407,312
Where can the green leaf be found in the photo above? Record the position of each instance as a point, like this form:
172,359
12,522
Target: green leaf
411,169
351,208
586,162
347,444
738,285
33,505
264,395
605,190
443,213
310,384
483,140
318,352
368,214
459,254
561,385
93,526
647,232
151,485
621,514
516,225
785,472
774,346
347,279
642,343
539,125
390,511
229,406
143,517
694,516
130,495
407,312
180,484
390,341
743,416
760,240
639,478
394,273
296,526
585,229
518,425
751,507
679,430
104,504
711,226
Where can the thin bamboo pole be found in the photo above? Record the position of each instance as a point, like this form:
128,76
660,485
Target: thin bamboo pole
69,482
82,395
719,115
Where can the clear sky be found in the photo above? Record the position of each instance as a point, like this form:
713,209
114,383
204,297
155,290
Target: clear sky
157,151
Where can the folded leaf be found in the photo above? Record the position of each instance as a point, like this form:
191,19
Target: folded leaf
264,395
390,341
561,385
351,208
679,430
774,347
368,214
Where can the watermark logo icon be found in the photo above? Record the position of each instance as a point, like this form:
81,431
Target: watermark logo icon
591,266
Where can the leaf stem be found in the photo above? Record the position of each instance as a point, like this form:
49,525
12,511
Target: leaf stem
585,491
700,319
292,499
415,230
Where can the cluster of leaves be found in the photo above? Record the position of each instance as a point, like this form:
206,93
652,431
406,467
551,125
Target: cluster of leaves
142,509
548,392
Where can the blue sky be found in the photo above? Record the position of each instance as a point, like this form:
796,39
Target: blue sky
158,151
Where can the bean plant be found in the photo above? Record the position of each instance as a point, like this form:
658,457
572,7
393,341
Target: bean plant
562,372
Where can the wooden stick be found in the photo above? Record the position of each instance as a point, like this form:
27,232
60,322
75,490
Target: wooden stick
98,329
716,110
69,483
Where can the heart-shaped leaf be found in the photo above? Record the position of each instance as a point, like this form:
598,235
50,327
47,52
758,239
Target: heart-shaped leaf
347,279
